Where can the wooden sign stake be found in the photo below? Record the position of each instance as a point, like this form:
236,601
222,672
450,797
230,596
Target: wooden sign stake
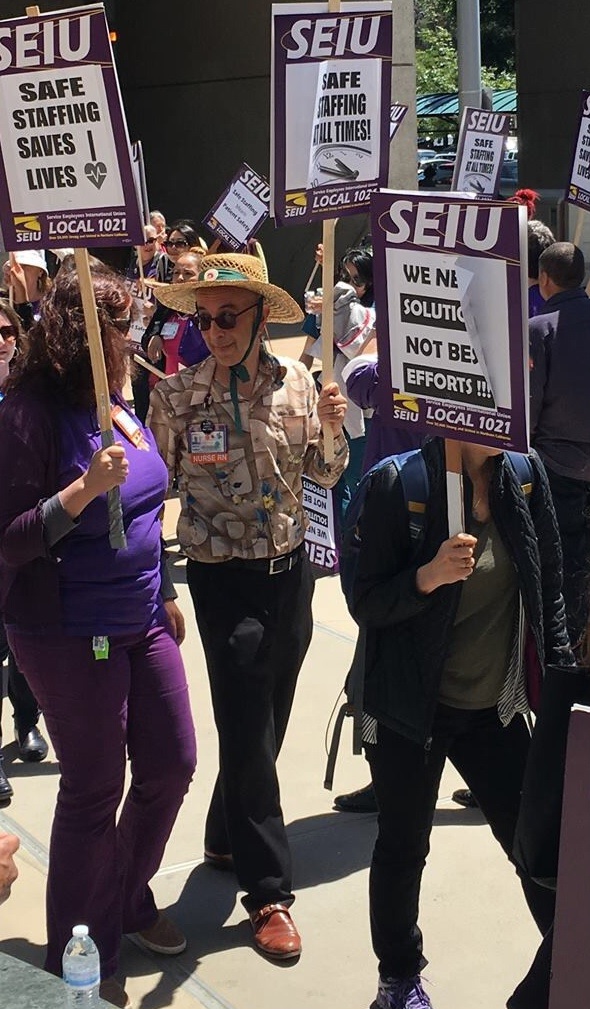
311,277
329,228
117,536
11,262
579,226
149,366
454,467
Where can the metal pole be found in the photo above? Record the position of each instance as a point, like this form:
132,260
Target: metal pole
402,166
468,54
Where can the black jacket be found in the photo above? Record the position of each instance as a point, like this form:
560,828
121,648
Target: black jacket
408,634
560,404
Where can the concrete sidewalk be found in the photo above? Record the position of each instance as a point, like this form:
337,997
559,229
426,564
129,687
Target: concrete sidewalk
479,937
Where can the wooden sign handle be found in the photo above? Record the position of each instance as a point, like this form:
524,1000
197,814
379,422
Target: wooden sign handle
329,228
579,226
11,262
141,272
117,536
311,277
454,467
149,366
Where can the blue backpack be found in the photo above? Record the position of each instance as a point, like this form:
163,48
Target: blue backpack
414,481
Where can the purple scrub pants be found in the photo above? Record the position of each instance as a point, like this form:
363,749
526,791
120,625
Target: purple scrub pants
135,704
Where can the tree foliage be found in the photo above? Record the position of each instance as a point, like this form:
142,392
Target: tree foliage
436,44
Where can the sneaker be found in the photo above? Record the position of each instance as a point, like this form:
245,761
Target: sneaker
401,993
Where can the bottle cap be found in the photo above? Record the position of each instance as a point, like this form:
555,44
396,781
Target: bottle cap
80,930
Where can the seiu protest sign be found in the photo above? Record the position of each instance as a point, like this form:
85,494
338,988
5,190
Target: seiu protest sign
451,300
480,152
65,168
241,209
330,105
578,191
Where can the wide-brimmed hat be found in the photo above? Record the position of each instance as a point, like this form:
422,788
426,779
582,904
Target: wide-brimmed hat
230,270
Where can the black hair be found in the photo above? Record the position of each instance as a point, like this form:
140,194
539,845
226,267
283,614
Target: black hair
361,257
187,228
563,262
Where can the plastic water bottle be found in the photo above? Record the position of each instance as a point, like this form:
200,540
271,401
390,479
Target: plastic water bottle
81,970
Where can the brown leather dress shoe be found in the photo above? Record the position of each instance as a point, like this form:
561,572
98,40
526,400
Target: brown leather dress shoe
274,932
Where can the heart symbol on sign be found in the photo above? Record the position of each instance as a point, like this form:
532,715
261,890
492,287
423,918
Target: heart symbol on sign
95,172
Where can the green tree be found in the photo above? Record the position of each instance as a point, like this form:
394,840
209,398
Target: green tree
436,52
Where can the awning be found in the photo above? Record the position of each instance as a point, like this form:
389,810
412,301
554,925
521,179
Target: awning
448,104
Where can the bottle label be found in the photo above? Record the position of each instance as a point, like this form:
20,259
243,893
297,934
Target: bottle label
83,983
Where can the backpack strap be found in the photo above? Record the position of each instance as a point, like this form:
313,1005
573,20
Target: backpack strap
414,478
523,467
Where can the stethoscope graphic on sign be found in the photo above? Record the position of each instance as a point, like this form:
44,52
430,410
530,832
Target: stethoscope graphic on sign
340,170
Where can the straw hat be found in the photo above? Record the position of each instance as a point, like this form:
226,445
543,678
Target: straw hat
245,272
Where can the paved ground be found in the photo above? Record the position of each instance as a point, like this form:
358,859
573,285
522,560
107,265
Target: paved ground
478,935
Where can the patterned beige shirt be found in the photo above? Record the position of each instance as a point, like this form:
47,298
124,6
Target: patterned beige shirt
250,506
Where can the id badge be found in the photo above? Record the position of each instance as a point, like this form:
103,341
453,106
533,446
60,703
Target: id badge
169,330
128,426
208,442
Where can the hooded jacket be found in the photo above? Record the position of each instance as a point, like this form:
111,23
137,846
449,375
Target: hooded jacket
409,634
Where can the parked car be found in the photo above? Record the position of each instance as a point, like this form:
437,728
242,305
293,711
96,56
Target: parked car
509,177
426,168
445,166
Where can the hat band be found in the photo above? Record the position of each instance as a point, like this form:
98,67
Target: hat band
212,274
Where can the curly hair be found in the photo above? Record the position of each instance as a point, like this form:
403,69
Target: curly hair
56,360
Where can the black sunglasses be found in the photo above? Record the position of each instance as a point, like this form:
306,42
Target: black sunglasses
177,243
150,241
123,325
8,332
225,319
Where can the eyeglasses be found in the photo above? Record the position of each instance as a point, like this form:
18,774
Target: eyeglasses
8,332
177,244
123,325
150,241
225,319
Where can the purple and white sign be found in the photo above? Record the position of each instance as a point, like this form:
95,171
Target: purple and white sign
138,166
65,169
241,209
330,108
320,535
480,152
451,300
578,191
397,115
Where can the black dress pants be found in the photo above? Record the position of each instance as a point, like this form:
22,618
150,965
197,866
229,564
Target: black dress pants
533,991
255,628
491,760
26,709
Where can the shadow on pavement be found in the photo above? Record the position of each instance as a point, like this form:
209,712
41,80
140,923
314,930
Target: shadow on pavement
26,769
23,949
